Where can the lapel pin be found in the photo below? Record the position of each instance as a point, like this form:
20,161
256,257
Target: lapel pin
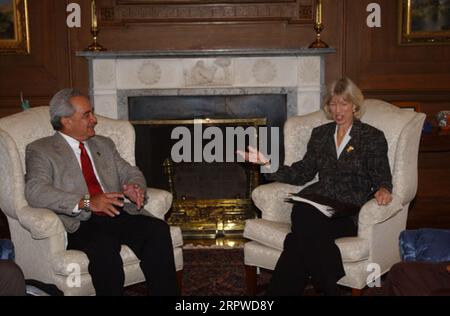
350,149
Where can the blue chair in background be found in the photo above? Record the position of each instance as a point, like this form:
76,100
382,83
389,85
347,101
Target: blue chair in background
6,249
425,245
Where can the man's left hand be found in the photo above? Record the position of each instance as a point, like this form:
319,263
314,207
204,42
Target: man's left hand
135,194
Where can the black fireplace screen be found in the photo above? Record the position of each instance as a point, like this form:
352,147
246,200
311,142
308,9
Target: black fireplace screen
210,198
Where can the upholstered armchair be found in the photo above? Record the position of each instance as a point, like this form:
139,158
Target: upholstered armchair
38,234
379,226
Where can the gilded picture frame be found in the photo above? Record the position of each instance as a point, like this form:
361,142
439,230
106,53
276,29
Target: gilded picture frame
14,28
424,22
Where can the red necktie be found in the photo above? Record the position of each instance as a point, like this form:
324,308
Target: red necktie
88,173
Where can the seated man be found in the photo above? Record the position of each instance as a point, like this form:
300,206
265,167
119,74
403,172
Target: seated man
12,281
98,196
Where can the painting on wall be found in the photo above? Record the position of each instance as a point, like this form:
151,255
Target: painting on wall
424,21
14,32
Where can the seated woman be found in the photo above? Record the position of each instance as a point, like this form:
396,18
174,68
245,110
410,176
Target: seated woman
351,160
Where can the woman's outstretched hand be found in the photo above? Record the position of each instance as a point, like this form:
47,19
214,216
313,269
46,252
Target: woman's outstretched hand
253,156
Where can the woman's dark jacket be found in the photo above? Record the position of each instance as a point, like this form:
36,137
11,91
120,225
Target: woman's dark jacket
362,168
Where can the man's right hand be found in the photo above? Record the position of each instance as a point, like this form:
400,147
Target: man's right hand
105,202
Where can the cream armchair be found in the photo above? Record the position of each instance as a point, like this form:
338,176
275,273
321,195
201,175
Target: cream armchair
38,235
379,226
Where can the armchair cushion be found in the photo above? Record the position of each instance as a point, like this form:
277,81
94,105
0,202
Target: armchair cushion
353,249
269,198
41,223
159,202
177,236
371,213
268,233
272,234
61,261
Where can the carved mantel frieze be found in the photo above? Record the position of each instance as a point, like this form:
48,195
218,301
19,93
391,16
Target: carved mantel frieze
125,12
117,75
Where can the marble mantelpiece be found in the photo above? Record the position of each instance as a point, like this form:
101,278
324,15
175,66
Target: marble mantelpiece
297,73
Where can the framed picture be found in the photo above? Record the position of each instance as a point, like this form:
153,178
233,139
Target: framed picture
14,33
424,22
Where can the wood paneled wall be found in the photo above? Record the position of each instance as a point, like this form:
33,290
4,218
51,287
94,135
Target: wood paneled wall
372,57
387,70
46,69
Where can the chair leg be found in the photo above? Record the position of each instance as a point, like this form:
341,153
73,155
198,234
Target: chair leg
250,280
180,279
357,292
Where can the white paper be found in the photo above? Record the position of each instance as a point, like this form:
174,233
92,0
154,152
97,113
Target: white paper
325,209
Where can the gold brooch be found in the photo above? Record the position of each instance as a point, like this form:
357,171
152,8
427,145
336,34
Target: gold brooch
350,149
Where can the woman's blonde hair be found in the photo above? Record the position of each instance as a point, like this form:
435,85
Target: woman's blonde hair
349,91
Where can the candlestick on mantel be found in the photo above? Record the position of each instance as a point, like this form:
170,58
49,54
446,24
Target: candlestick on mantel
318,27
95,46
93,15
319,12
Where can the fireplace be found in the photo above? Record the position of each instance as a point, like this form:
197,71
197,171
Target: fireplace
150,86
211,198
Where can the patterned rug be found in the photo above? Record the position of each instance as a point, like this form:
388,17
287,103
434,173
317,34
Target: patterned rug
221,272
210,272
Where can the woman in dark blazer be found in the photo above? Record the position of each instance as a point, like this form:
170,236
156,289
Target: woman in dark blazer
351,160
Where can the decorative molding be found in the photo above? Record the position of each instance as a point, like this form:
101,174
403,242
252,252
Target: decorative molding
264,71
190,11
209,73
104,73
149,73
309,70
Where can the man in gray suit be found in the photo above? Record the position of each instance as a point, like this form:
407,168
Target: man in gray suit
97,195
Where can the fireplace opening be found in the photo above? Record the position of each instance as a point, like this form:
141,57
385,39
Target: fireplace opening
211,199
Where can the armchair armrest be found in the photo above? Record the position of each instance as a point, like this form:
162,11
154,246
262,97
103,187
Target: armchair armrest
158,202
371,213
270,199
40,222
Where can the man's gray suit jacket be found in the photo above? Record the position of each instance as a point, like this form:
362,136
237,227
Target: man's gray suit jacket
54,179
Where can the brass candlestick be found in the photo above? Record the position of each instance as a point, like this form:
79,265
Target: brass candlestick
318,27
318,43
95,46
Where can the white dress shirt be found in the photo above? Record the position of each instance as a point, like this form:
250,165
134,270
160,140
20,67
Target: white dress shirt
75,146
344,142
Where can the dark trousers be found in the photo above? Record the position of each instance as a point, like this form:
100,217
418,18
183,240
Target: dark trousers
12,281
310,252
418,279
101,238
